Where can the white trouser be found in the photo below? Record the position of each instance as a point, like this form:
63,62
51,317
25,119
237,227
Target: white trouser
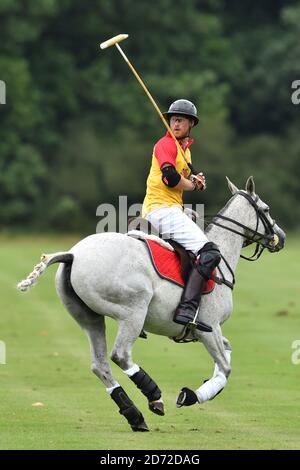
173,223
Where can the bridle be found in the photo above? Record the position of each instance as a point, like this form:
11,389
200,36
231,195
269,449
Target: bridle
262,240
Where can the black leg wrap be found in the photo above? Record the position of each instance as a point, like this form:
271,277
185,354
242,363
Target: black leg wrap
129,410
147,386
186,397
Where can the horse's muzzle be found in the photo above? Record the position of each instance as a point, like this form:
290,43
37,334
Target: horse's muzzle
278,240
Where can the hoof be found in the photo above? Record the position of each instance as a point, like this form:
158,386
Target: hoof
186,397
142,427
157,407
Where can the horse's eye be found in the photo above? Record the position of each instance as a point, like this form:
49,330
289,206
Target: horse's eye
266,210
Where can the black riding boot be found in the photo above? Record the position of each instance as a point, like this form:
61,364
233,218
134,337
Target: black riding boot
201,272
186,310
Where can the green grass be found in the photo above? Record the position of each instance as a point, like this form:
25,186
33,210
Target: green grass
48,361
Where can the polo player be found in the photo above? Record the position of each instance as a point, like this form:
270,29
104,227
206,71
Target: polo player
169,176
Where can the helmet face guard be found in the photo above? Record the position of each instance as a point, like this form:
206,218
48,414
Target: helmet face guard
183,107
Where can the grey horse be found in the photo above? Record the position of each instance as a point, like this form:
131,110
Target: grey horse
110,274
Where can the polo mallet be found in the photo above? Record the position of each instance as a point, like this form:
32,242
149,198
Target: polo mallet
115,42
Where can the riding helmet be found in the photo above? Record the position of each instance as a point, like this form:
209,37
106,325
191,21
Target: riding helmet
184,107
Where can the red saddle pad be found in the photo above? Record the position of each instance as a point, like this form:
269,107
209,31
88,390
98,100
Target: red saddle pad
167,265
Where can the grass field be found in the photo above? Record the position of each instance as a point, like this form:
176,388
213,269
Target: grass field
48,361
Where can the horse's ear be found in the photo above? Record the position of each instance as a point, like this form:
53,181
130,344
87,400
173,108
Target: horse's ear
250,185
232,188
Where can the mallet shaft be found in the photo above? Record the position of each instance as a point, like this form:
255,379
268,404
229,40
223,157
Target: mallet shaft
152,101
114,42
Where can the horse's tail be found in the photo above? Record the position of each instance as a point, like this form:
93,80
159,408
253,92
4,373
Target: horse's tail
46,260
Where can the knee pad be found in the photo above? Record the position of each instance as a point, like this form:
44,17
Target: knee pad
210,257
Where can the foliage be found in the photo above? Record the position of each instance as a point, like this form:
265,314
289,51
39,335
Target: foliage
77,129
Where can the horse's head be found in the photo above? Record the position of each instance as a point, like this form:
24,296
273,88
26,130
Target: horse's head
261,228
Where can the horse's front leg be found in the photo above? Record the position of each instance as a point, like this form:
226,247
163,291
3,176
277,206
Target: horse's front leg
220,350
228,351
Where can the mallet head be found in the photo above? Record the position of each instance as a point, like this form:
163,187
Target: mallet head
113,41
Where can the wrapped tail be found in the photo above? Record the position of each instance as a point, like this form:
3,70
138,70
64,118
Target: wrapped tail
46,260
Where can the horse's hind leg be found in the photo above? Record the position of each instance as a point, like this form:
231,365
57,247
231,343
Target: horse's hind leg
101,368
94,326
128,332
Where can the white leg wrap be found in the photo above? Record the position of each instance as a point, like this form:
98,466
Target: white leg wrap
208,390
111,389
133,370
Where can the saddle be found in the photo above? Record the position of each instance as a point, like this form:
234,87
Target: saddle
175,266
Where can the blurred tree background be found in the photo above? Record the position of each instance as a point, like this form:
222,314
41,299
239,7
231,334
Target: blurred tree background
77,129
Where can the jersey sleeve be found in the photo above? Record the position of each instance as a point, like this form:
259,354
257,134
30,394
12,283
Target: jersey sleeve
165,151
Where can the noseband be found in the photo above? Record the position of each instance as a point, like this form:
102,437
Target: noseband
262,240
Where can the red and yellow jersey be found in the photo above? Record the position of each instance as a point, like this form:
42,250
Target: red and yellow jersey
158,194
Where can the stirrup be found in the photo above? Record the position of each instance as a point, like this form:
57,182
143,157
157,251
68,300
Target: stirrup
199,325
194,325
